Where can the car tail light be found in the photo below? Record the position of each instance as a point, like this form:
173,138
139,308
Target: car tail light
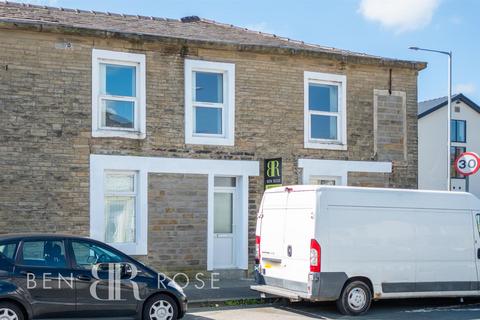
315,256
257,249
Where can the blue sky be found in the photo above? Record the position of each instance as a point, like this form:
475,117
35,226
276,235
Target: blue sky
380,27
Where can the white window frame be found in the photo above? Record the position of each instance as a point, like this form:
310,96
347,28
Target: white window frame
341,168
227,138
121,59
327,79
98,194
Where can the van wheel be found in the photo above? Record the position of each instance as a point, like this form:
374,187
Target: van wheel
160,307
10,311
355,299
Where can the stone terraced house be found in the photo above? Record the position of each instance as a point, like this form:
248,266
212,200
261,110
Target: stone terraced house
159,136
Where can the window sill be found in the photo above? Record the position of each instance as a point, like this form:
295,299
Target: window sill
209,141
119,134
325,146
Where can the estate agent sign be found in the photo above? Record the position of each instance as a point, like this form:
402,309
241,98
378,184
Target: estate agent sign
273,173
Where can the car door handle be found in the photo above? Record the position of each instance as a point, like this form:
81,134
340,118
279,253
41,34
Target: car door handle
84,278
478,253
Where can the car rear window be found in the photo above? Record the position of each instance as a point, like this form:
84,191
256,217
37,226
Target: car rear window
44,254
7,250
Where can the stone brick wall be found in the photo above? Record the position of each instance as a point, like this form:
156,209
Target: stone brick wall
390,127
45,121
177,219
368,179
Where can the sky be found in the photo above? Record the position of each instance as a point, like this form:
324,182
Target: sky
379,27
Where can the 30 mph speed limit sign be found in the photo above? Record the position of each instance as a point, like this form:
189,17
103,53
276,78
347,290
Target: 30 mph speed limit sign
467,163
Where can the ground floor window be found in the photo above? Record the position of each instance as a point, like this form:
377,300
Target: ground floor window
120,207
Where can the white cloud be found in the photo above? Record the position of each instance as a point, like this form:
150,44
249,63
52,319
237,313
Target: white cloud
466,88
261,26
399,15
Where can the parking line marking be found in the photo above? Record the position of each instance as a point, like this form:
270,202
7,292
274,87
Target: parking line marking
457,308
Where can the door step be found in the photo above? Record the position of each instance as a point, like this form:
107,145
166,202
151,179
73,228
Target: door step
276,291
230,274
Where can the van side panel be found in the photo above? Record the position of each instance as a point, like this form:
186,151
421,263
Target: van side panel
445,252
403,250
371,242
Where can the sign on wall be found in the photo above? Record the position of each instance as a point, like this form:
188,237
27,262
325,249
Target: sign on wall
467,163
273,173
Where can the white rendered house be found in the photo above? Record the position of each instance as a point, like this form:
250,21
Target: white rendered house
432,142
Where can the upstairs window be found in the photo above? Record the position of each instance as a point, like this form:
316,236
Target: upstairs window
209,102
458,131
325,111
118,94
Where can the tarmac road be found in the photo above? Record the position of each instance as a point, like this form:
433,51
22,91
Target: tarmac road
438,309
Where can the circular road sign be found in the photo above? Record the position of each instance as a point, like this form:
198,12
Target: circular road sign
467,163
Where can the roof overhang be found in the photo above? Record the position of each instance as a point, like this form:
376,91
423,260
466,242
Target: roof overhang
53,27
458,97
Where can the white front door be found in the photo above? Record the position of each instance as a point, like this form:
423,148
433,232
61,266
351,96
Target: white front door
224,216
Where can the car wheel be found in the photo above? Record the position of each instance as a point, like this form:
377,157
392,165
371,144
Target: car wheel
355,299
160,307
10,311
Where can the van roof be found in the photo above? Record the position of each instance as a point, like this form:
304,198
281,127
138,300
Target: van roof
306,187
388,197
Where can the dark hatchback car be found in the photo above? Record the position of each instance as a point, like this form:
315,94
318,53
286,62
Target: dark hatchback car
52,276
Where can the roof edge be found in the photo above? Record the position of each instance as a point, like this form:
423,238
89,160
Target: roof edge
52,27
460,97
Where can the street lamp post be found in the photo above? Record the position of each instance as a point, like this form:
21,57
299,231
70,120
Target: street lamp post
449,105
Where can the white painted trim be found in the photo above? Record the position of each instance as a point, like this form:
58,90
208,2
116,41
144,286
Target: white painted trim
340,168
242,185
228,119
121,58
402,94
332,79
144,165
210,222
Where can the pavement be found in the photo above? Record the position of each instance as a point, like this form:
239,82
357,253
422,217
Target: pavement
212,291
418,309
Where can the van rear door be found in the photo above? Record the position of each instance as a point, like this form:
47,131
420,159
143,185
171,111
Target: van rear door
272,225
287,227
299,231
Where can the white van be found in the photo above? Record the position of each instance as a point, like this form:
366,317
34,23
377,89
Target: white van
355,245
